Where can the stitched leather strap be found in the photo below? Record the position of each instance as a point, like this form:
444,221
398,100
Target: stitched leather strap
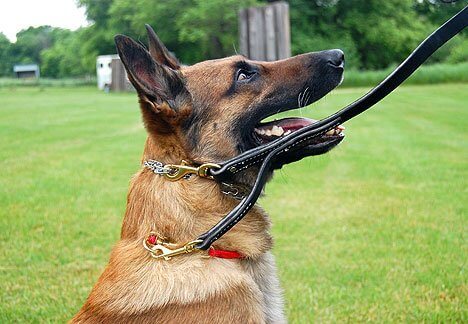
267,154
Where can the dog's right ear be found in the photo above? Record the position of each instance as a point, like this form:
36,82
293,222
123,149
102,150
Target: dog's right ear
158,85
158,50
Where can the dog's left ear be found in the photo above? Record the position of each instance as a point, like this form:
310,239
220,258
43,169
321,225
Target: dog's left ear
160,87
159,52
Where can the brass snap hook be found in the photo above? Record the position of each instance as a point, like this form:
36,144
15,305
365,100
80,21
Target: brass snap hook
179,171
204,168
161,250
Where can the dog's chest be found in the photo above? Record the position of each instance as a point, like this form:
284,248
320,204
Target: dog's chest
263,271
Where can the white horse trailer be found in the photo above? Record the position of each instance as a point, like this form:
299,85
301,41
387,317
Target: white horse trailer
104,70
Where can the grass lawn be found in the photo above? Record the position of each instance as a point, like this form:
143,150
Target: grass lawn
374,231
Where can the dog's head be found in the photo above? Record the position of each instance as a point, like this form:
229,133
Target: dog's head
214,109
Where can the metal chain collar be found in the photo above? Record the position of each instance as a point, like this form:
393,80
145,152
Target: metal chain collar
169,171
156,166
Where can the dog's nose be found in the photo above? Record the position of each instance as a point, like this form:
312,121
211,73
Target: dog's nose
335,57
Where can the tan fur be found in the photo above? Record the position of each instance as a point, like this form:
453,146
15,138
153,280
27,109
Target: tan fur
135,287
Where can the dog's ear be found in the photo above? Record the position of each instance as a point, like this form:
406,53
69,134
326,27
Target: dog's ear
159,52
159,86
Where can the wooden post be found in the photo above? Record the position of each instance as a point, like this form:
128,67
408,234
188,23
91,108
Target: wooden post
282,30
119,78
270,34
243,32
256,34
264,32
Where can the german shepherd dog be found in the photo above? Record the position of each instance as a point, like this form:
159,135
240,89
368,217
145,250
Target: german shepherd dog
207,112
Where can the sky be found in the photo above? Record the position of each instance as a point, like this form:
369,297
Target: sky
16,15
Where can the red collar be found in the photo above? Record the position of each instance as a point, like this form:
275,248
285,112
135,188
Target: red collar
224,254
161,249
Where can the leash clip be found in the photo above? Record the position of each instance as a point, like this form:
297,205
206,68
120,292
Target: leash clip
161,250
177,172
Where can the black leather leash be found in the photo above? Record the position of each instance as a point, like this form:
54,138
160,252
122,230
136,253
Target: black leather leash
268,154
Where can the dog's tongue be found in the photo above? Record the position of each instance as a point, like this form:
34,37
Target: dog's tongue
283,126
293,124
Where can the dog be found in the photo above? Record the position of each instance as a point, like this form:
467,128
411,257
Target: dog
207,112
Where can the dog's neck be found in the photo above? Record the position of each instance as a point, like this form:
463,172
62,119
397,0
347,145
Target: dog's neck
184,209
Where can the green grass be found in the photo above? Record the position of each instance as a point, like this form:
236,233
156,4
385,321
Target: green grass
47,82
427,74
374,231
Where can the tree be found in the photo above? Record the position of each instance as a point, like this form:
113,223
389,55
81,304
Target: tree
129,17
316,25
212,25
437,11
384,32
30,42
194,29
65,58
97,11
5,57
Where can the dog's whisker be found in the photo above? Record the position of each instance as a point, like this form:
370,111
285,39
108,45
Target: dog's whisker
299,100
304,100
308,98
306,91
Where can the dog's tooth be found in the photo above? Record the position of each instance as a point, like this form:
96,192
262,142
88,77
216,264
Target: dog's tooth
281,130
260,131
277,131
330,132
268,132
287,132
341,127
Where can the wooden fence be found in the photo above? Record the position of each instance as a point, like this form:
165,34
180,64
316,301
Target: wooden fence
264,32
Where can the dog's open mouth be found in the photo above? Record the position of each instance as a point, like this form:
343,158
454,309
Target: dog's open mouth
267,132
264,133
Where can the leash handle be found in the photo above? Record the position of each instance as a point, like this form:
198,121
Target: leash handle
267,154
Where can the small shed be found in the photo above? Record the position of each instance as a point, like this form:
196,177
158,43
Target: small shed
26,71
104,70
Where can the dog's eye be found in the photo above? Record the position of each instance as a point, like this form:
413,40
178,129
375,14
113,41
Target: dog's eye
243,75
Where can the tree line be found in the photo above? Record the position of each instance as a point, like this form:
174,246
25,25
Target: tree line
374,34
